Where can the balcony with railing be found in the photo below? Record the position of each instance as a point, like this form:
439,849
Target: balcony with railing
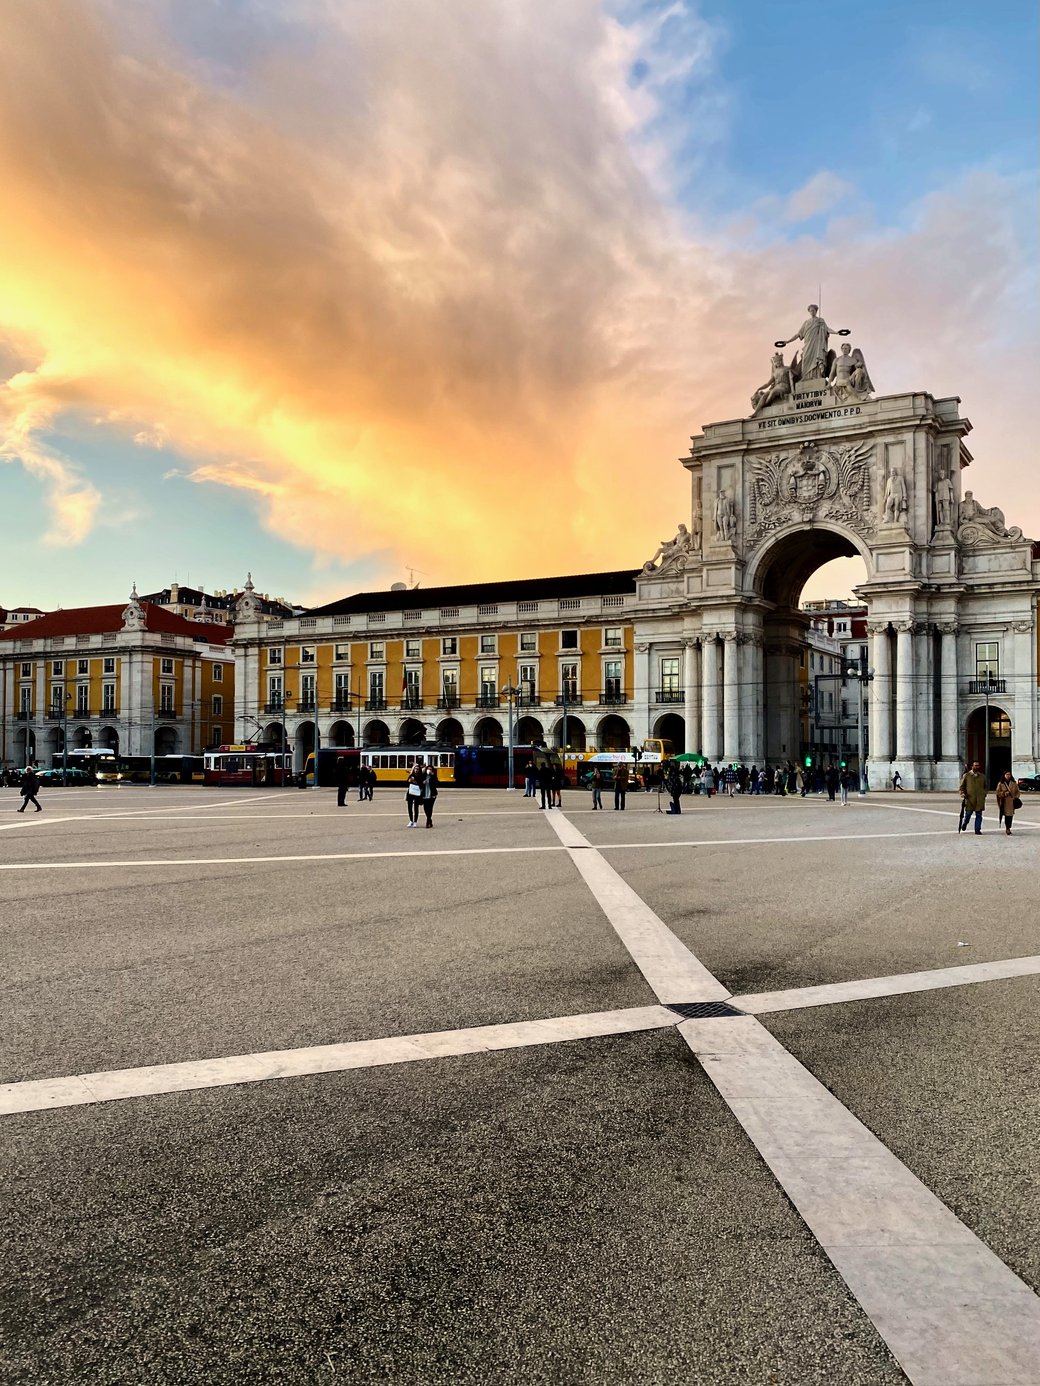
342,702
669,695
412,702
275,706
613,697
528,699
375,704
448,702
979,688
569,698
487,700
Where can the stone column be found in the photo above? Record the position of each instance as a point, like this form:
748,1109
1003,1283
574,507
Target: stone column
948,691
692,695
756,671
1024,728
881,698
642,681
710,697
731,697
905,671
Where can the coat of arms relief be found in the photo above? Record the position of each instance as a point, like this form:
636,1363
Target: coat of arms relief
831,483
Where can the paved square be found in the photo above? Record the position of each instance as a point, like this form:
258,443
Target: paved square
293,1094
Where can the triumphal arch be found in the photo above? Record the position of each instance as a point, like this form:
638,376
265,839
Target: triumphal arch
823,467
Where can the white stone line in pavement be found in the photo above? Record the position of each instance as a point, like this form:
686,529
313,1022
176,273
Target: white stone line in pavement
950,1310
667,964
1020,822
900,984
765,841
84,1088
255,861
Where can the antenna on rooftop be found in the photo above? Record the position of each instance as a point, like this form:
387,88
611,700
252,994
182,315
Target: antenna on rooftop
411,575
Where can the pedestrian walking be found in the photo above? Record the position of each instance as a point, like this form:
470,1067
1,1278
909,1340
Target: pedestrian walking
596,782
559,779
413,792
620,785
897,780
729,775
843,784
430,788
832,782
545,782
342,780
1008,800
29,789
973,797
529,779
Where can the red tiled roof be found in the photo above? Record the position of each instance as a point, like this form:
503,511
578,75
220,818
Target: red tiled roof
106,620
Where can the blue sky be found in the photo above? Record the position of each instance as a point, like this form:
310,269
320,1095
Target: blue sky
772,136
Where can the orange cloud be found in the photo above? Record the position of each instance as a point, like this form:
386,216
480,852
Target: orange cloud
409,281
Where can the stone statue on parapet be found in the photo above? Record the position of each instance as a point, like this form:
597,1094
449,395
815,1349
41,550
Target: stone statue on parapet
670,552
779,386
815,360
976,522
848,376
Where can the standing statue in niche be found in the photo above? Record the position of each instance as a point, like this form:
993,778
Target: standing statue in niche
725,518
779,386
816,360
944,501
896,500
697,527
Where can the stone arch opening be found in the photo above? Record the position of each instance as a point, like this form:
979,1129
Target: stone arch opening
488,732
412,732
671,727
992,751
791,663
167,741
450,733
273,734
529,731
376,733
576,735
613,734
304,745
341,734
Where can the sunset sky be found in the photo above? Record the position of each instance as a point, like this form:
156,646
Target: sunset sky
333,290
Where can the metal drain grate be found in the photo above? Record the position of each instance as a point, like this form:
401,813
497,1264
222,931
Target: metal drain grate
704,1010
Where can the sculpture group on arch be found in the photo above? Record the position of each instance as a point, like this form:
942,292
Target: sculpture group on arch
823,467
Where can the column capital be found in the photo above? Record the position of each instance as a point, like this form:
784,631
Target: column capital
877,627
947,627
729,636
905,627
1023,627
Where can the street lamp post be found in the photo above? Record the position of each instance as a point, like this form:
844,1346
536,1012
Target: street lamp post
510,693
65,742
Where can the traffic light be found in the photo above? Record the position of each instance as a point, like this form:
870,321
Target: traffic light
808,762
843,766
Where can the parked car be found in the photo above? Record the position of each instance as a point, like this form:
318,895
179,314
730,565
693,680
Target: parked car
1030,783
75,776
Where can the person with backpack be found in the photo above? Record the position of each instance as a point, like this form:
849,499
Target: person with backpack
29,789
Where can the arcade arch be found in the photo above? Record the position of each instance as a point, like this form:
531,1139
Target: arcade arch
450,733
613,733
341,734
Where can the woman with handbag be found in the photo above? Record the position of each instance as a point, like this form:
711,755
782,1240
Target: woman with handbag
1008,800
413,791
